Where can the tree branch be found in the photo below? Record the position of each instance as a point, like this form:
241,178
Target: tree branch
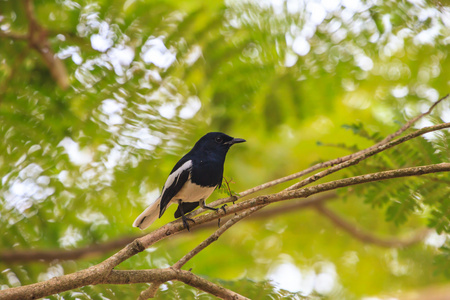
366,154
38,40
367,237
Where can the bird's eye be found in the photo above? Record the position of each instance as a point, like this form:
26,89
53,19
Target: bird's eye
219,139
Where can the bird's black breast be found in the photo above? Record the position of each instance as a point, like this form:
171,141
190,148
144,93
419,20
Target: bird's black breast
207,172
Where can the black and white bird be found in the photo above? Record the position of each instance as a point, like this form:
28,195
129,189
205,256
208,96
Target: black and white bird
192,180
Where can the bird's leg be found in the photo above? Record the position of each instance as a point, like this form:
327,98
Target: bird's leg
183,217
202,205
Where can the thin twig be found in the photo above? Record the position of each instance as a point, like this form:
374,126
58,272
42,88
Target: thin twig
151,291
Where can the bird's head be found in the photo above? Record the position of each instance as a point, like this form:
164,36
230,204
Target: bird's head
217,142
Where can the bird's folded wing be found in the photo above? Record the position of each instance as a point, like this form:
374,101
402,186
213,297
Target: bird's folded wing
179,176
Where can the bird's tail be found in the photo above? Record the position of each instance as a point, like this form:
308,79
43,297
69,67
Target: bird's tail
149,215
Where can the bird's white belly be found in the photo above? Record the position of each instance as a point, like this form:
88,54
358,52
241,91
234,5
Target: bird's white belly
191,192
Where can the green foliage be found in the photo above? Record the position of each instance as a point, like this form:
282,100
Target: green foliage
78,165
359,129
442,261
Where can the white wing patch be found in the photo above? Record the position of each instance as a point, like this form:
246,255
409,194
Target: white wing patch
173,178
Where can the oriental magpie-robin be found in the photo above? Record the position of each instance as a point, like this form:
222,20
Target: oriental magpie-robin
192,180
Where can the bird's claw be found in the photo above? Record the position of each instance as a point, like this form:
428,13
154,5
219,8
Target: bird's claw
223,208
186,224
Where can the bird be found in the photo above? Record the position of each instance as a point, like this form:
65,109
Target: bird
192,180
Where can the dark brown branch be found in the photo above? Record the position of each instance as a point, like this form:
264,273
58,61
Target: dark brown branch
37,39
367,237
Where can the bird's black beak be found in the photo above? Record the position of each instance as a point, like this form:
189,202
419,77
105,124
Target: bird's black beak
235,141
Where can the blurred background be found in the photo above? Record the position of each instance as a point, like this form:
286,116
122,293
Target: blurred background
99,99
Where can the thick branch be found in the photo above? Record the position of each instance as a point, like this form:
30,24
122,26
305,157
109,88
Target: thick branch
367,237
